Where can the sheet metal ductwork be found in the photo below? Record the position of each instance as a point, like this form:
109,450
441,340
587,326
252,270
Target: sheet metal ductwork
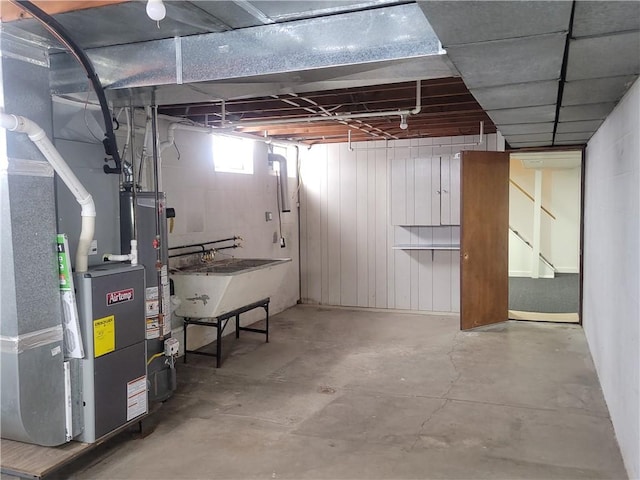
31,339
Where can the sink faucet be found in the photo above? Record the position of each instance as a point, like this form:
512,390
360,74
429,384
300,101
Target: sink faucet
208,256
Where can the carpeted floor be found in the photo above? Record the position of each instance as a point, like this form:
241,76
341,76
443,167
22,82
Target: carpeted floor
548,295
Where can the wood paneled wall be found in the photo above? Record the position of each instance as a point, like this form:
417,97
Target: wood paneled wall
347,237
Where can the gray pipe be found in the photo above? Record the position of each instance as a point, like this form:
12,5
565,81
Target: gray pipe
284,181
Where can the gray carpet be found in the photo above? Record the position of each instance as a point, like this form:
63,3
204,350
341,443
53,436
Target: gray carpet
546,295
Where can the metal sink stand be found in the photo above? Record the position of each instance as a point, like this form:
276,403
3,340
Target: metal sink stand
220,322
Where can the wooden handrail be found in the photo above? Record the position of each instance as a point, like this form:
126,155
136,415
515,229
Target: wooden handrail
531,198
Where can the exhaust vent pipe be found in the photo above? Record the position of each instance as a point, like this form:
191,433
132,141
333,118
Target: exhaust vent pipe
37,135
285,204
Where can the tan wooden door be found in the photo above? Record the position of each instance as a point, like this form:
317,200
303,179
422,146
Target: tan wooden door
484,242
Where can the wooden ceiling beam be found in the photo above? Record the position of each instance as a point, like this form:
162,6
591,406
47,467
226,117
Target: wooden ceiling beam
329,100
282,109
10,12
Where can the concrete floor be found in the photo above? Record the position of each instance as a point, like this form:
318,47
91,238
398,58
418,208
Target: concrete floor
345,394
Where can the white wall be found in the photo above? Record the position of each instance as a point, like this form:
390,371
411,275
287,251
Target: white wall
346,233
520,257
212,205
559,238
611,315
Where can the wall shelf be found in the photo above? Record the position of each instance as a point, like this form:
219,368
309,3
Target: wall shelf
424,246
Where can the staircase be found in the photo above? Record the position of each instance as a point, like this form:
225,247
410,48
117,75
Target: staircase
548,270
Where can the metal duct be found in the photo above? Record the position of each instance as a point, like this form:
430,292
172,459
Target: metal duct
285,203
32,364
385,35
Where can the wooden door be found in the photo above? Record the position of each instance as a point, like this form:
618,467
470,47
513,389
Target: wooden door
484,242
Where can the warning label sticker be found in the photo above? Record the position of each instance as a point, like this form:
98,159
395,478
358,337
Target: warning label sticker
153,328
104,336
136,397
152,307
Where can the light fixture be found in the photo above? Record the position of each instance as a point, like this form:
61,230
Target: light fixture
156,10
403,122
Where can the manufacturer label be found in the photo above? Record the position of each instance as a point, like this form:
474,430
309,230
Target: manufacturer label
120,296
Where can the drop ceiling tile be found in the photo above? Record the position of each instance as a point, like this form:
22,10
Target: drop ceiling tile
518,95
529,144
595,111
575,127
608,56
573,137
596,90
569,142
505,62
597,18
541,114
534,137
463,22
525,128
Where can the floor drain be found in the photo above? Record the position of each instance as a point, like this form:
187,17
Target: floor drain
327,390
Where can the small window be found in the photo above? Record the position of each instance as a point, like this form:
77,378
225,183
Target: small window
232,155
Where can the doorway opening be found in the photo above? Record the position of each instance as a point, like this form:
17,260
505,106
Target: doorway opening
545,191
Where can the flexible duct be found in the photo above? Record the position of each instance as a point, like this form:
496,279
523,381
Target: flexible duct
37,135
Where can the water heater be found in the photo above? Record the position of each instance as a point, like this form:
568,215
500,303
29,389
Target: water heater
138,220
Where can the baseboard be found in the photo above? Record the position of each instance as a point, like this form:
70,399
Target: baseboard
526,275
544,317
567,270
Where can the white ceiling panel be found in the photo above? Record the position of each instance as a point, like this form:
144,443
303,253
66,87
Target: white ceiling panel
598,18
595,111
505,62
597,90
519,95
522,128
609,56
577,127
573,137
542,114
528,144
531,137
467,22
568,142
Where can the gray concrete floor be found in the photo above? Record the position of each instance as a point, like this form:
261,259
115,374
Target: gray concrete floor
346,394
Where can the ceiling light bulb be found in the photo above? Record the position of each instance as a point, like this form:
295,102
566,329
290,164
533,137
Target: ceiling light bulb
156,10
403,122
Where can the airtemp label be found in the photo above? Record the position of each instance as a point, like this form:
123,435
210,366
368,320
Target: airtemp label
120,296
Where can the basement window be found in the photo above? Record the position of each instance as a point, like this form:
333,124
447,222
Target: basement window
232,155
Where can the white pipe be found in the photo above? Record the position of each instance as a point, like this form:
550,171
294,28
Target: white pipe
474,144
37,135
219,131
416,110
132,257
344,116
